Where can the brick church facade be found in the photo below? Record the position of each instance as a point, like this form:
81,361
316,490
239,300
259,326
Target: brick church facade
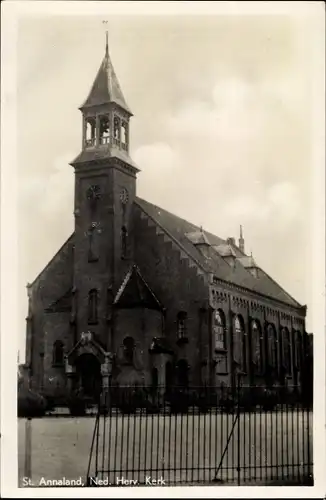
137,295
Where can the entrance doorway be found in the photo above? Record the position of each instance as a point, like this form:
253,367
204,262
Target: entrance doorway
88,370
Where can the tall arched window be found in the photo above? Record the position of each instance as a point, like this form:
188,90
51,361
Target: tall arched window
124,235
218,330
92,306
182,325
298,350
256,347
272,346
129,348
182,373
239,344
57,354
286,351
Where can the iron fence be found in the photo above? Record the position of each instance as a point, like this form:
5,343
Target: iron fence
241,435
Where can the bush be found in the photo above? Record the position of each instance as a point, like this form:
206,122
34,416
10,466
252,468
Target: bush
30,403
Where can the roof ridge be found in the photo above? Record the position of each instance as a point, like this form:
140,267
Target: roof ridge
51,260
283,290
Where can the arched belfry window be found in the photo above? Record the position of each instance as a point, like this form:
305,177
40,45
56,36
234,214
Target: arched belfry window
272,347
239,344
92,306
286,351
124,242
116,130
257,347
124,135
104,130
90,132
128,350
218,330
58,354
181,325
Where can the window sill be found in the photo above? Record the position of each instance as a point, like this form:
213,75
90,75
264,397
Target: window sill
221,350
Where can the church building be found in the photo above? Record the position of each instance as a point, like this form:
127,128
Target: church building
137,295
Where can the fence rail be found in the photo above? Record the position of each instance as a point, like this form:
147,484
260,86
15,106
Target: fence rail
201,435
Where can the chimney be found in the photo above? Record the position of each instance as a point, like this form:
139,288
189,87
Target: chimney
230,241
241,241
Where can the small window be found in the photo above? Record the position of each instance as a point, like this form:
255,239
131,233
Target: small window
182,325
129,348
58,354
219,330
92,306
124,237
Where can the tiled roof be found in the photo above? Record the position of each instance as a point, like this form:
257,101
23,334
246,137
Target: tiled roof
225,250
106,87
212,262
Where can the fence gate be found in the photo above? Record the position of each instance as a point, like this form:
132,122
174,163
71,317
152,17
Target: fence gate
217,438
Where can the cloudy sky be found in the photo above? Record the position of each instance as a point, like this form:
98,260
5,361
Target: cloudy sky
222,129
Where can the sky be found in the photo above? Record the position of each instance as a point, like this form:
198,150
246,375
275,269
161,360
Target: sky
222,130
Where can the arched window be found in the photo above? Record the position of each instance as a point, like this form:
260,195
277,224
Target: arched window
92,306
272,346
218,330
182,373
154,379
90,139
182,325
58,354
239,344
116,130
298,350
124,235
129,349
257,347
104,130
286,351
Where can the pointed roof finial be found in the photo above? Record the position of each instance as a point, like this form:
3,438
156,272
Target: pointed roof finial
106,39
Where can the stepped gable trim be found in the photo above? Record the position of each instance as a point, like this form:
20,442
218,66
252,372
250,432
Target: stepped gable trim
69,240
177,242
226,284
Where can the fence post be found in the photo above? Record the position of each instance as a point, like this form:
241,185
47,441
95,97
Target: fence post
238,419
28,449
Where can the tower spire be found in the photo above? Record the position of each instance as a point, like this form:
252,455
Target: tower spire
241,241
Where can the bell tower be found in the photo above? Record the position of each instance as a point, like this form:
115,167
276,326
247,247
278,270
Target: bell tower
105,186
